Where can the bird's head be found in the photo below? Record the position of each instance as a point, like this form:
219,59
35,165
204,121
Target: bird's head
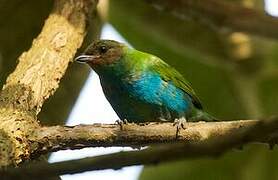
102,53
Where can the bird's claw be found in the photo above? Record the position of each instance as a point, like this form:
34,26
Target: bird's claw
121,123
180,124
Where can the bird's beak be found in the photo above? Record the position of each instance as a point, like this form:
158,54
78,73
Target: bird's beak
85,58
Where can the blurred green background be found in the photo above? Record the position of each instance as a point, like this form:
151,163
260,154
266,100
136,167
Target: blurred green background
235,74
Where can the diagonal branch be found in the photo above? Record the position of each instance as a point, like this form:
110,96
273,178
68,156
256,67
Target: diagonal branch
222,14
37,76
200,140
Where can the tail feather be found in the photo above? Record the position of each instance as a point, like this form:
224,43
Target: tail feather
200,115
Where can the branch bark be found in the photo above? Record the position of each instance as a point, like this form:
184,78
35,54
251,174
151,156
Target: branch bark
37,75
198,140
222,14
47,139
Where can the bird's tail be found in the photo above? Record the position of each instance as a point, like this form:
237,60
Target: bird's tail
200,115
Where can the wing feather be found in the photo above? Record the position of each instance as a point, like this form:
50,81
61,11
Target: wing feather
169,74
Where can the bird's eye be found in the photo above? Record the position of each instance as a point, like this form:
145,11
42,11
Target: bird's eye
102,49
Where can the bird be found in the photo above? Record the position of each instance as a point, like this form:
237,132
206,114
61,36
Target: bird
141,87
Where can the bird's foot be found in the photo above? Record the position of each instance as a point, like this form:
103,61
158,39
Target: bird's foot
121,123
180,124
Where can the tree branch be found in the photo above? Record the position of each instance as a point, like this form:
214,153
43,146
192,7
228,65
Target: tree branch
56,138
37,75
199,140
222,14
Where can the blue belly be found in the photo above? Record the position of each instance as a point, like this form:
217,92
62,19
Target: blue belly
147,98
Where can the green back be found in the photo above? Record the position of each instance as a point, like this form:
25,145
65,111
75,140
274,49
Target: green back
137,60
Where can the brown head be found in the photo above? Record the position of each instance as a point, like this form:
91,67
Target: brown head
101,53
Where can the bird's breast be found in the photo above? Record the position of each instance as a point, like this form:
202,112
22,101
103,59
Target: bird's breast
145,96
